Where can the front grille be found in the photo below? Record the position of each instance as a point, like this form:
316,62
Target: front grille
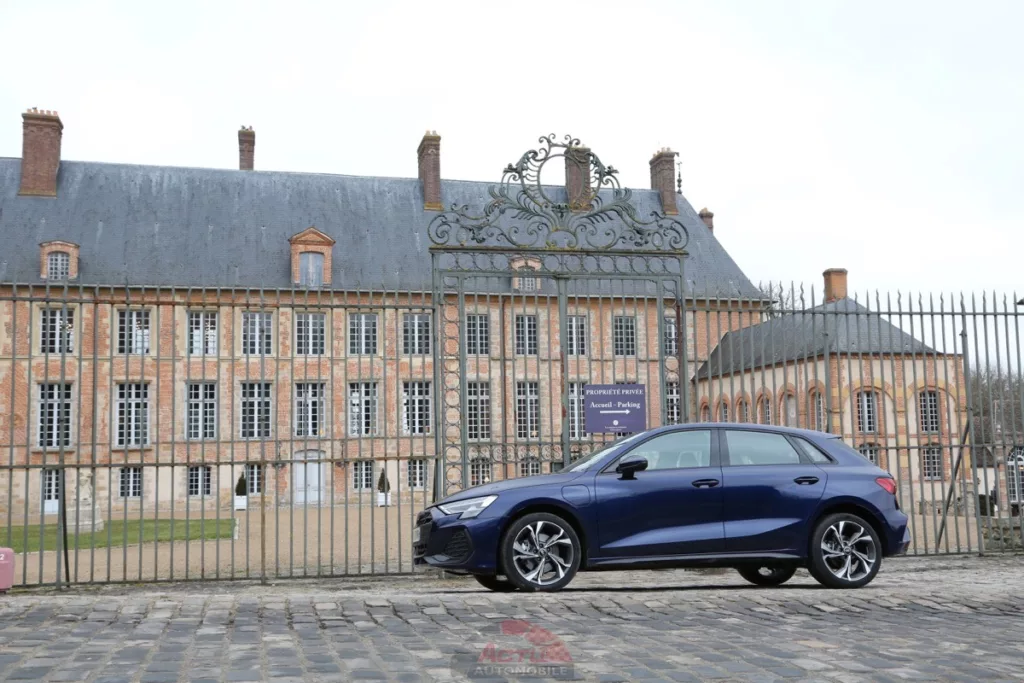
458,546
423,517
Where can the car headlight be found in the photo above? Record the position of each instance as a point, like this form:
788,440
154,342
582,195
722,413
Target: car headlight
468,508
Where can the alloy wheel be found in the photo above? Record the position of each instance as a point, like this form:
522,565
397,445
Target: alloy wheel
542,553
848,550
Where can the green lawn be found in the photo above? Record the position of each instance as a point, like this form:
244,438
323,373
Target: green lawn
118,532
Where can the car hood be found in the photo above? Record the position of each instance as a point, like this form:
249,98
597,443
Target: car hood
510,484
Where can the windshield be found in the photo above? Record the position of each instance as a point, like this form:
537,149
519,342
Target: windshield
587,461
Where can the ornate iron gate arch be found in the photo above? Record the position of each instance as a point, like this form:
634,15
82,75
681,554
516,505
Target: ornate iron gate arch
535,295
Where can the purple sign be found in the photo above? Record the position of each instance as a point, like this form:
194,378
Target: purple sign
615,408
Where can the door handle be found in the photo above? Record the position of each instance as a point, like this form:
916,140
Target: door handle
806,480
709,483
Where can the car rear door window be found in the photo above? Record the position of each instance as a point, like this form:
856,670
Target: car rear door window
812,452
691,448
759,448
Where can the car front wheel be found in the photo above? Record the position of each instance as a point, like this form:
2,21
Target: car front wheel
767,576
845,552
540,552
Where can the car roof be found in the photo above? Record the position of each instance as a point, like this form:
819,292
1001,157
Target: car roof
746,426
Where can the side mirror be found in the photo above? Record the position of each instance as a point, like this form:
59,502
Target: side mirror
630,465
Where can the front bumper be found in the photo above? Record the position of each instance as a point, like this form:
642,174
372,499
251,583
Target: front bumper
447,542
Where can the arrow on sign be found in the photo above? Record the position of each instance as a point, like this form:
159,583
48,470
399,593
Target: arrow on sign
615,412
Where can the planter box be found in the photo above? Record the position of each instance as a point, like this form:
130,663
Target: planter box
241,502
383,499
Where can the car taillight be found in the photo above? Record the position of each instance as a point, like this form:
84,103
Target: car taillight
887,483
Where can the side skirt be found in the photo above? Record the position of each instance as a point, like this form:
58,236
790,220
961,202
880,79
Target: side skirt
683,561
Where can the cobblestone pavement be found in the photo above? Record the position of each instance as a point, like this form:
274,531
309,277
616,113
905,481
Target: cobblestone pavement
948,619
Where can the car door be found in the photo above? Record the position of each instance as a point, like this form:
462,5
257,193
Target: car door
674,507
770,491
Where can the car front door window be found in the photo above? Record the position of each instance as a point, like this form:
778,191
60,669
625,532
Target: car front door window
676,450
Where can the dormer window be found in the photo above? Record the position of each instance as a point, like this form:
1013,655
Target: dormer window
58,261
311,269
58,265
311,258
521,281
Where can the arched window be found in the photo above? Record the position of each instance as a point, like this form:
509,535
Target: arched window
790,415
928,411
705,413
723,412
867,412
818,408
764,410
58,265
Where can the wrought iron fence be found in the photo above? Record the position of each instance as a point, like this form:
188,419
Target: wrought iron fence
157,433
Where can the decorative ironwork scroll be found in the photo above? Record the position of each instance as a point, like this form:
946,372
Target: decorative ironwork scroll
523,214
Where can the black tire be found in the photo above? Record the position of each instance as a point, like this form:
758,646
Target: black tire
774,575
843,557
565,547
495,583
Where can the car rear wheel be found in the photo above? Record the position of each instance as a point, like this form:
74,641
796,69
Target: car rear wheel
845,552
767,576
495,583
540,552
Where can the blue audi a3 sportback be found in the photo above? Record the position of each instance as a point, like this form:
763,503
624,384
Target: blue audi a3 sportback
765,500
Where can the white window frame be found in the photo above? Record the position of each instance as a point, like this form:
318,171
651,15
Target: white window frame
1015,475
363,334
202,333
362,475
56,331
130,481
764,411
311,269
527,409
530,467
310,334
867,411
820,414
743,410
416,334
254,479
416,473
577,413
932,466
527,334
257,333
705,413
309,416
871,451
478,411
928,418
417,403
671,339
363,409
132,414
577,327
58,266
673,411
478,334
199,481
257,398
624,343
723,411
50,480
55,417
201,411
481,471
133,331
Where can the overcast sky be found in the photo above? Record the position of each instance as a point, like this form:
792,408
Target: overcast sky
883,137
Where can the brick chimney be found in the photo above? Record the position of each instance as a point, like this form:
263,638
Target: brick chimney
429,156
577,178
40,152
835,284
708,217
662,180
246,148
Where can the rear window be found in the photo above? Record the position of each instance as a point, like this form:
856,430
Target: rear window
815,454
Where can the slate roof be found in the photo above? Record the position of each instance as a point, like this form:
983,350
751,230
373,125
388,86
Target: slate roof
149,225
840,327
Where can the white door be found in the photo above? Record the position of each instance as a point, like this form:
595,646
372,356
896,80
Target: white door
308,479
51,491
